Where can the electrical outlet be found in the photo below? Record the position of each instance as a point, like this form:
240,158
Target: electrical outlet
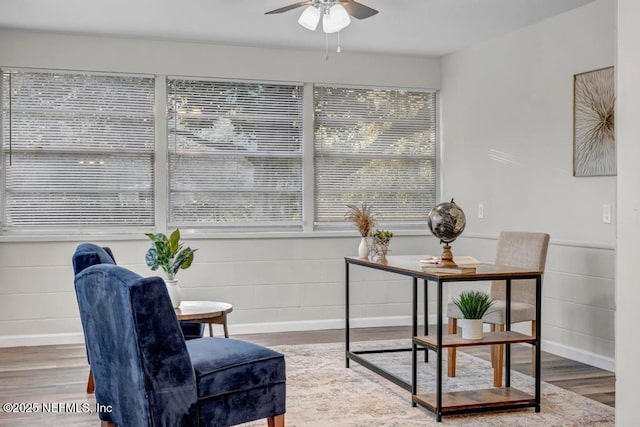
606,213
480,211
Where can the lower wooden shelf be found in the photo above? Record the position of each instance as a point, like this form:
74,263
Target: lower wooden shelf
489,338
461,401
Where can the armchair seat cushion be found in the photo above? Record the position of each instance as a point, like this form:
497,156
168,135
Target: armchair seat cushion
224,365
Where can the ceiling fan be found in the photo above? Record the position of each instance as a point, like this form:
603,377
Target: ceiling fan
335,13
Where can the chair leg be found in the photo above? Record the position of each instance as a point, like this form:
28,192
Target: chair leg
451,352
277,421
498,363
493,348
107,424
90,385
533,349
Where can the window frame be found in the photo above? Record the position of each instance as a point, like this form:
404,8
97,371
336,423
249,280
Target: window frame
75,229
161,185
240,227
408,227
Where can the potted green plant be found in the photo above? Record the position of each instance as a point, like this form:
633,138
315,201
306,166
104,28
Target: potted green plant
169,254
381,240
364,220
473,305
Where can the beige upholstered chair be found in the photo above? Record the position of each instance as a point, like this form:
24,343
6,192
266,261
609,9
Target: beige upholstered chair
516,249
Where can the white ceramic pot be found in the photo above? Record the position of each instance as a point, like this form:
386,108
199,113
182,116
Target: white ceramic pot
174,292
471,329
363,249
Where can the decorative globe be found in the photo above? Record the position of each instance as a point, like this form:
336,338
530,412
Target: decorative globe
446,221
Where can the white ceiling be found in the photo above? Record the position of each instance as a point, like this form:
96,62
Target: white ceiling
416,27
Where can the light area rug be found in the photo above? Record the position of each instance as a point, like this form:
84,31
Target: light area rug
322,392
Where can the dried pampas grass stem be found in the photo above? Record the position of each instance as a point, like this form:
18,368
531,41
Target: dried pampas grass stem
362,217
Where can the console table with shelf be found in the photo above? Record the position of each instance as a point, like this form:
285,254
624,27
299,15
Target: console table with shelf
462,401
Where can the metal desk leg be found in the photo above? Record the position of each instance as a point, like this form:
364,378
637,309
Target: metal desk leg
426,317
439,356
346,315
507,326
414,332
538,337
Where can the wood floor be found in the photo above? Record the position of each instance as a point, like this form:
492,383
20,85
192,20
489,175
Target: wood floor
59,373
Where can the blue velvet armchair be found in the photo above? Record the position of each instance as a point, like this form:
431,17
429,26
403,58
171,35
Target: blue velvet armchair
148,375
88,254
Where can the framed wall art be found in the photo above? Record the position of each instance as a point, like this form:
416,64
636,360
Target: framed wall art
594,144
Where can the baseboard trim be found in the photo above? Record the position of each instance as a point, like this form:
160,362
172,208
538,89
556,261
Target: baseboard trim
41,339
583,356
572,353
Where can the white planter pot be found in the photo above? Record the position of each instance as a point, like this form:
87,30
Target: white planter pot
363,249
174,292
471,329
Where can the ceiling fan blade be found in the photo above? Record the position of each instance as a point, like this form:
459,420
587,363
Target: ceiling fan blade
358,10
290,7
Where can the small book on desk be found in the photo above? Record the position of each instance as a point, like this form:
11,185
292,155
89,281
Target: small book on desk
461,261
448,270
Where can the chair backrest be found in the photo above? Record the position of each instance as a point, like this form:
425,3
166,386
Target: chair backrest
525,250
138,355
88,254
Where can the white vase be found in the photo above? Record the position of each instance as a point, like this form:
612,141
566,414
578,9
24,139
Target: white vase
471,329
363,248
174,292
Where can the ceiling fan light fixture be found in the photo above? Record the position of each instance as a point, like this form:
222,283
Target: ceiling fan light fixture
310,18
335,19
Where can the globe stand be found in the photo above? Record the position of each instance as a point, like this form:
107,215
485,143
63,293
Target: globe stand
446,259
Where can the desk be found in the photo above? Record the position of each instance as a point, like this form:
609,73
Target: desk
211,312
461,402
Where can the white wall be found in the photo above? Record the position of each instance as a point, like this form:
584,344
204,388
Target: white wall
274,284
286,282
507,133
507,108
627,252
57,51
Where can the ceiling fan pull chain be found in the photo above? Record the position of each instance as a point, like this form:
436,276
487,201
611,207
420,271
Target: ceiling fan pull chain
326,46
338,50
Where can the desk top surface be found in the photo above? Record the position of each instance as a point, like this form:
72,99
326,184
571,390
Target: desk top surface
410,265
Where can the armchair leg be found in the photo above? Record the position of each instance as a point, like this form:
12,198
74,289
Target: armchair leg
90,385
452,329
107,424
276,421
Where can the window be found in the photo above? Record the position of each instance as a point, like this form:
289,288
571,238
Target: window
78,153
376,146
77,150
235,154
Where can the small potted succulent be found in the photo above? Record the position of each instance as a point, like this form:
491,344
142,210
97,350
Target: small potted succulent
473,305
168,253
363,218
381,240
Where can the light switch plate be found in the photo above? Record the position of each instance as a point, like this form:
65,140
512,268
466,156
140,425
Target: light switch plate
606,213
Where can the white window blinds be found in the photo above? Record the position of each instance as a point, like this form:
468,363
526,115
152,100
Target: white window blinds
376,146
78,150
235,154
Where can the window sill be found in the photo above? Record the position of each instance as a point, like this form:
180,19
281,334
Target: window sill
191,234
